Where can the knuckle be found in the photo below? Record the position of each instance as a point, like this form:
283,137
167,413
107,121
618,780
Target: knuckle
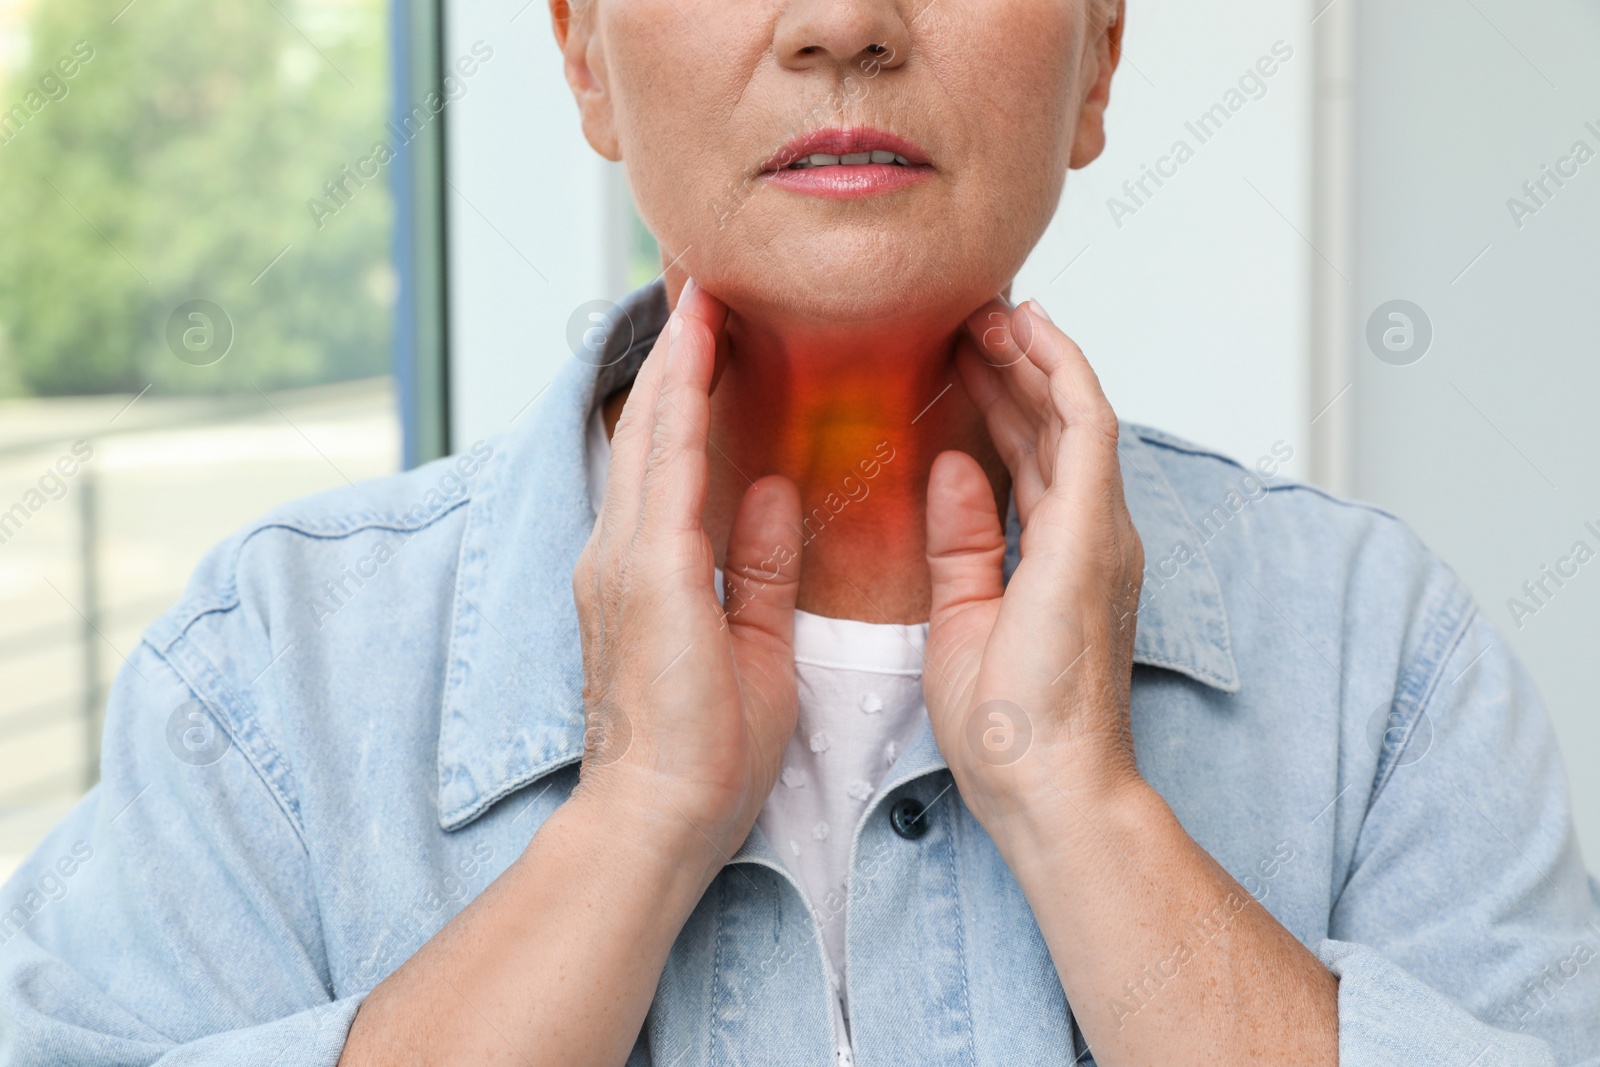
658,472
1060,383
585,567
693,335
1090,409
665,444
586,578
1135,553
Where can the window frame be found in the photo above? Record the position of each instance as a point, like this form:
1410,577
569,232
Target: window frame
421,326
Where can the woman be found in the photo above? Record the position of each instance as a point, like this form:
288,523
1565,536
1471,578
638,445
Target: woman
821,672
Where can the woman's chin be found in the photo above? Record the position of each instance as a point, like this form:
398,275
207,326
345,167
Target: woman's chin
854,301
851,295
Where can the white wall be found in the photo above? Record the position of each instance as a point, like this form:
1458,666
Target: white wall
1195,309
527,216
1487,445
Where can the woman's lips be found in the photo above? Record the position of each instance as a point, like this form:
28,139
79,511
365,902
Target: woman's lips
846,163
846,182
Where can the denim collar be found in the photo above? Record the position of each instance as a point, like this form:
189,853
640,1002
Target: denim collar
513,689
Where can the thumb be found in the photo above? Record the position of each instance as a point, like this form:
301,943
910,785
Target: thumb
761,575
966,546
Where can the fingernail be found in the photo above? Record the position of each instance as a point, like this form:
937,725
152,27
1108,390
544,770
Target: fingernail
1022,329
688,290
1038,309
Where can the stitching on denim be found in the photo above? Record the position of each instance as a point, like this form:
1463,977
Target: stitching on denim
1156,439
961,926
207,683
464,622
459,818
1217,625
716,959
178,619
1448,624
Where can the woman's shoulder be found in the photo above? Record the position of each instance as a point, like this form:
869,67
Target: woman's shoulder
321,623
1293,559
295,568
1226,500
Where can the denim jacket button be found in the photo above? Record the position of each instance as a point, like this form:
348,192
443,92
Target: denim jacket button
906,816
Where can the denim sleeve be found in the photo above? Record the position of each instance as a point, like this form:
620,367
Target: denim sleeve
171,917
1468,933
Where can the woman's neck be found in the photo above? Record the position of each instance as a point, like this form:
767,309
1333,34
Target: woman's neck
854,417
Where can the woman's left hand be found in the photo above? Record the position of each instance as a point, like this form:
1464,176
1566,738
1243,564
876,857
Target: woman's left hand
1027,685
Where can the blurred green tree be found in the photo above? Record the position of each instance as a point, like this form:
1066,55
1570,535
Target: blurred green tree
176,163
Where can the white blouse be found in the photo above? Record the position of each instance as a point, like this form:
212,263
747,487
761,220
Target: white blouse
860,687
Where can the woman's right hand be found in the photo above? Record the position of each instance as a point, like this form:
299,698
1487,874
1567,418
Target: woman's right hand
689,712
689,708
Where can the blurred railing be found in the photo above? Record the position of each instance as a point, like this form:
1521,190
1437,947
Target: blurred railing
111,545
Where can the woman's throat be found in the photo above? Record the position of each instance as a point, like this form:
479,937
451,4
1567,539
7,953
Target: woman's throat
859,450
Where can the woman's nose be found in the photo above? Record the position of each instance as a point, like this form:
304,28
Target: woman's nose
870,33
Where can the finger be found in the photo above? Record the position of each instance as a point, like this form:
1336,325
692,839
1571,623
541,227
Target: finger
994,336
1076,395
1000,345
1014,433
630,443
631,439
1075,391
761,574
677,470
966,546
990,328
1081,433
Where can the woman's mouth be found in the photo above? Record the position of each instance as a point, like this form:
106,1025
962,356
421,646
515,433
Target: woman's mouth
846,163
855,159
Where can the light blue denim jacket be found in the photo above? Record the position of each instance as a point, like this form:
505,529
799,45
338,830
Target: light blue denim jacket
369,701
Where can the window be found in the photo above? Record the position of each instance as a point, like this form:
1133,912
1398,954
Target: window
198,321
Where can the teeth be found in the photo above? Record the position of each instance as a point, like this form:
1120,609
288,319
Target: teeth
854,159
